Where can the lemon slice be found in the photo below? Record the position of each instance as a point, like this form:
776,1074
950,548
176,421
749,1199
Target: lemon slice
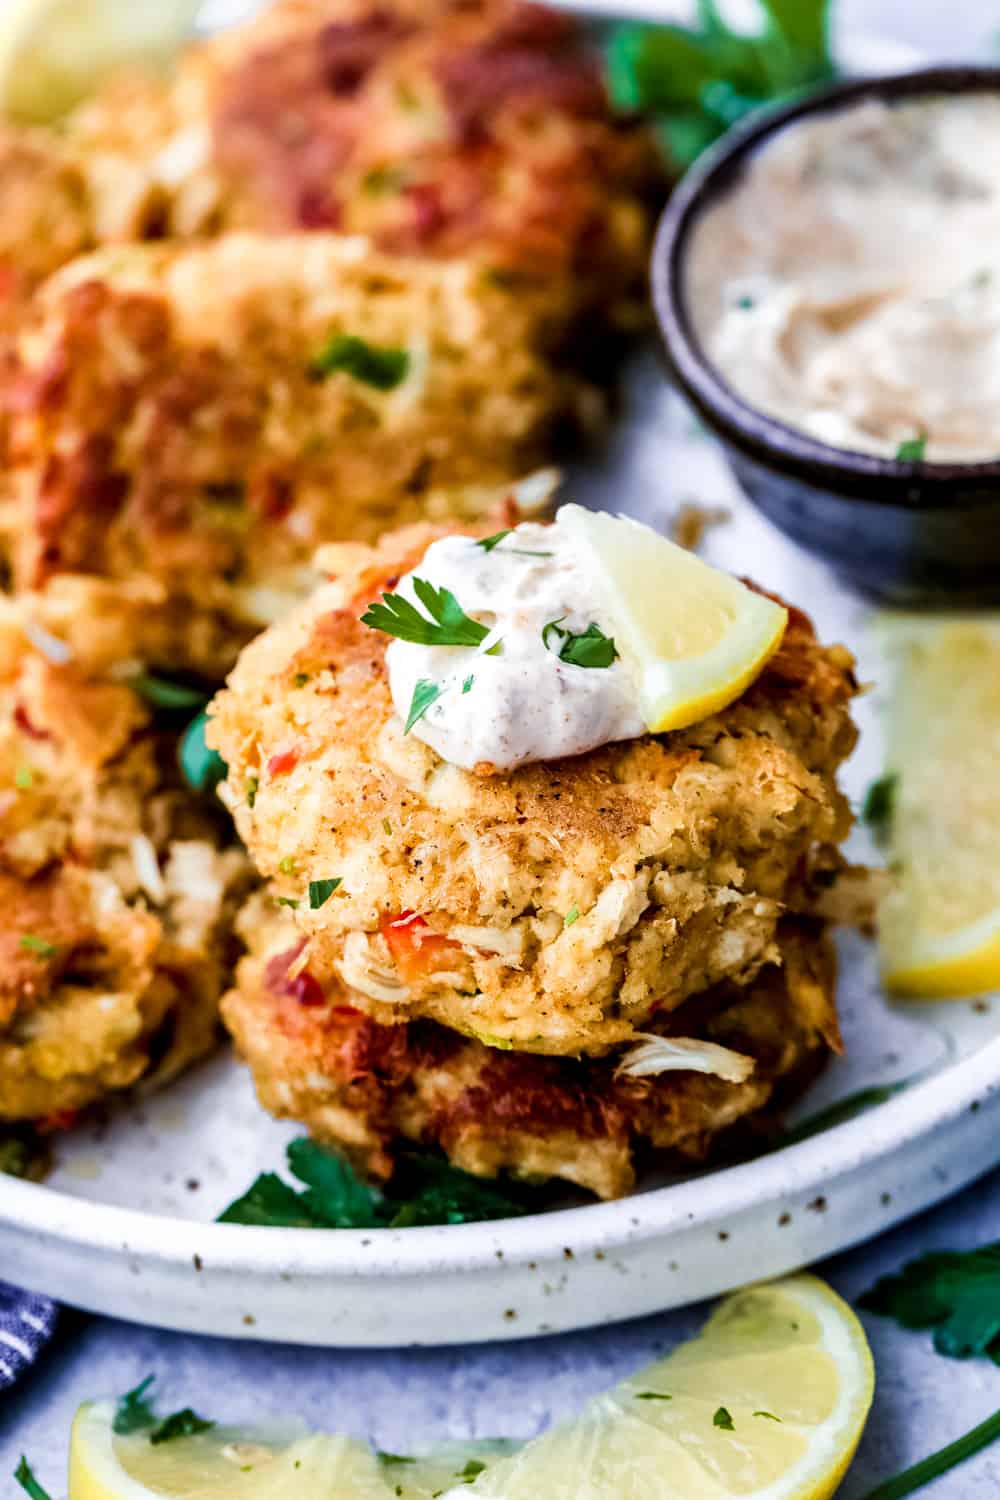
768,1403
695,637
940,924
276,1460
54,52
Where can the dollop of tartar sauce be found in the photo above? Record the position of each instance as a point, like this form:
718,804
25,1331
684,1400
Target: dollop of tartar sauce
849,284
523,703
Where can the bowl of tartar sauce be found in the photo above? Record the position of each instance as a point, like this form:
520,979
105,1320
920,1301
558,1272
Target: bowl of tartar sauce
827,285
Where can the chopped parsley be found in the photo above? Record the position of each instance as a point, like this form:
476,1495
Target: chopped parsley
392,1458
467,684
253,787
134,1411
489,542
387,826
287,865
30,943
652,1396
183,1423
300,679
591,649
203,768
288,901
768,1414
471,1471
448,625
425,693
723,1419
880,804
911,450
24,1474
169,692
424,1190
320,892
372,364
573,915
955,1292
24,779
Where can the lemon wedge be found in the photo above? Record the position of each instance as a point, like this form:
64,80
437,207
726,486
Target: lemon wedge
53,53
940,924
229,1463
696,638
768,1403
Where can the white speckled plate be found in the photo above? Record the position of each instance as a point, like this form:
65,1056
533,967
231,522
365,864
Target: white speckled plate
124,1224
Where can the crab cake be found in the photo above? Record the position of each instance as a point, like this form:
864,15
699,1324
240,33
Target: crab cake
434,127
188,423
118,889
554,908
367,1088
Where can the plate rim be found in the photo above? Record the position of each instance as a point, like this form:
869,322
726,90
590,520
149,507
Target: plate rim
877,1133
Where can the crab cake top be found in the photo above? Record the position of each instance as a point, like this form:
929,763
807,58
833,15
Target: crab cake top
554,908
331,393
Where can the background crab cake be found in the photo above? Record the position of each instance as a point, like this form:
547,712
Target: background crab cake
189,422
367,1088
554,909
436,127
117,888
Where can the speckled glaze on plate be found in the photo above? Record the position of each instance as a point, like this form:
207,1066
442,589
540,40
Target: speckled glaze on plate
124,1224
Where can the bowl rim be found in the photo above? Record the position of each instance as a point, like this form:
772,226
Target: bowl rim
917,485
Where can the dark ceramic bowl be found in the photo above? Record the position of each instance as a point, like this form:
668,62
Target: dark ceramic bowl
902,533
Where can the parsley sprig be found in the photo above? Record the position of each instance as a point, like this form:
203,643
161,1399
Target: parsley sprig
135,1413
373,364
25,1476
448,624
590,649
955,1292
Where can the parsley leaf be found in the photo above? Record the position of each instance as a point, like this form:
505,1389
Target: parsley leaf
29,943
169,692
912,450
320,892
133,1411
24,1474
467,684
24,778
957,1293
202,768
372,364
424,1190
768,1414
425,693
489,542
573,915
591,649
880,804
183,1423
653,1396
699,80
723,1419
472,1470
448,625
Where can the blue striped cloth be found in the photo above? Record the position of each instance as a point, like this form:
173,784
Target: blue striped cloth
27,1323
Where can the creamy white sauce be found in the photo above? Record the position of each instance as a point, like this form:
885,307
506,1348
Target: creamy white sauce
850,284
524,703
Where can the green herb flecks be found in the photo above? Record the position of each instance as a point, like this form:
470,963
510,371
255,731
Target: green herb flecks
489,542
768,1414
320,892
424,1190
880,804
590,649
392,1458
24,1474
955,1292
29,942
288,901
373,364
723,1419
24,1153
300,679
133,1411
573,915
938,1463
471,1471
912,450
202,767
652,1396
24,778
425,693
253,787
180,1424
467,684
698,81
286,865
448,624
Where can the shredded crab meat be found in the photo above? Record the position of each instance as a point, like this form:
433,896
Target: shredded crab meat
51,647
371,976
506,942
147,869
674,1054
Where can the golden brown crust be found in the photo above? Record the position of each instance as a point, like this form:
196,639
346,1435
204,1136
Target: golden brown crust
367,1088
678,853
118,888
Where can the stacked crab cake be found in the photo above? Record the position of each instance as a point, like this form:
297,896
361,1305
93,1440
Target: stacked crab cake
190,422
118,887
501,915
